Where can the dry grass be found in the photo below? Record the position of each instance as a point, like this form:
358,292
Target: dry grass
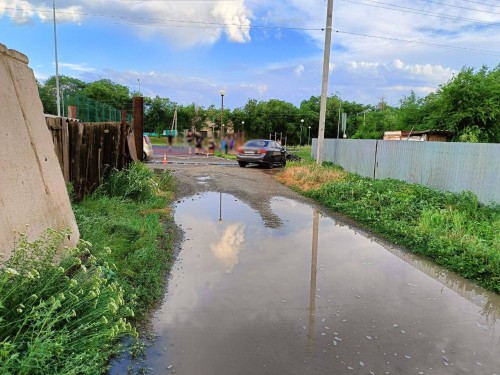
310,176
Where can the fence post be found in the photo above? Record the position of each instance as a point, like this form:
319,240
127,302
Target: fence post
72,111
138,105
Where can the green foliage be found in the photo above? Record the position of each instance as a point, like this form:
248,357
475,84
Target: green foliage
376,122
47,91
467,105
453,229
106,91
158,114
58,319
123,220
136,183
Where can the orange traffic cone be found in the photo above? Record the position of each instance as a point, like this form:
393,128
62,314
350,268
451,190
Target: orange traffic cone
164,158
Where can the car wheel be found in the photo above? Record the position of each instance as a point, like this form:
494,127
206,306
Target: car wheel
242,164
283,163
270,165
144,156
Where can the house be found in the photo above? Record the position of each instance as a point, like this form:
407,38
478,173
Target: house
420,135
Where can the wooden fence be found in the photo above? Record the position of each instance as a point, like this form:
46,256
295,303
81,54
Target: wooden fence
87,151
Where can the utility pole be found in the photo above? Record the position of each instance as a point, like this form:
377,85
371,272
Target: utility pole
324,86
58,103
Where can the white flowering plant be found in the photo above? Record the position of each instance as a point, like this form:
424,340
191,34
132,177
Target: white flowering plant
59,317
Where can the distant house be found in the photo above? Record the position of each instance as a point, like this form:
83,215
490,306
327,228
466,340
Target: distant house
421,135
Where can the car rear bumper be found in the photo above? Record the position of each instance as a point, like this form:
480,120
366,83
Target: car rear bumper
259,158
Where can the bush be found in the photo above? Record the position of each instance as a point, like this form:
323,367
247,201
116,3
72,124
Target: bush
135,183
58,318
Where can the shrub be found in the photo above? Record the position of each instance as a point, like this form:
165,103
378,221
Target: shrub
58,318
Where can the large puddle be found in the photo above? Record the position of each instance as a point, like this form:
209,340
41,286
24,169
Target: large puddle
311,297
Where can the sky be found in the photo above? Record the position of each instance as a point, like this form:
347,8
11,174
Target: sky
188,50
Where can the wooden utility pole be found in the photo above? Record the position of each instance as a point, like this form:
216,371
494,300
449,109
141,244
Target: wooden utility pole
324,86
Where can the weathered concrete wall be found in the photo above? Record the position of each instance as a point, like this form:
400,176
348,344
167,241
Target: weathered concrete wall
33,194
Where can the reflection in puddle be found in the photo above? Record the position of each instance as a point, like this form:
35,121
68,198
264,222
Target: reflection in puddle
311,297
312,289
227,249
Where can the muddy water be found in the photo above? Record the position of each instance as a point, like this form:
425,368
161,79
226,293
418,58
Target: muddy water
310,296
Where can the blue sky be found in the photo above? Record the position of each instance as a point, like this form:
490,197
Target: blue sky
187,50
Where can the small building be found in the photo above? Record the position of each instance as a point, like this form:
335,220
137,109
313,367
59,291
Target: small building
420,135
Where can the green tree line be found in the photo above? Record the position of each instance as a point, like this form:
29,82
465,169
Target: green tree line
468,106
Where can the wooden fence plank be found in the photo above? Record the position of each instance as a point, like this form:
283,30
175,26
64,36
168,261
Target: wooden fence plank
87,152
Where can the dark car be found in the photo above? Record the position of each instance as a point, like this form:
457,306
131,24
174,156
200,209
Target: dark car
261,151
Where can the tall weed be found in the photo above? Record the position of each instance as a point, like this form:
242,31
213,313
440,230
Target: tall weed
61,318
138,183
127,215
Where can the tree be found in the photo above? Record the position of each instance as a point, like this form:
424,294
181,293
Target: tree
410,113
67,86
158,114
468,105
108,92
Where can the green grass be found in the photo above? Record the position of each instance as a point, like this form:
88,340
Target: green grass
62,318
68,315
223,155
127,215
454,230
304,152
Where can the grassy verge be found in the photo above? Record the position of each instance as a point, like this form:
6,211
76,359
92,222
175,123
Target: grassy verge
124,220
68,315
223,155
454,230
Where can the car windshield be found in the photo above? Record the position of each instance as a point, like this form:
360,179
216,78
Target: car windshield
257,143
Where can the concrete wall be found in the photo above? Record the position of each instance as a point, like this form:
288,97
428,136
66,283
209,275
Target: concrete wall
33,194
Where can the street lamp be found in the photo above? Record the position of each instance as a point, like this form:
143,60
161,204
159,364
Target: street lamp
58,97
222,92
309,139
301,124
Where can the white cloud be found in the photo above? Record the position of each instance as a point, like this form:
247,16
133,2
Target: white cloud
24,12
77,67
184,25
229,245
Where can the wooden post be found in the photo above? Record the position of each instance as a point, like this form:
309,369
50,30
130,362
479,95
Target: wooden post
72,111
138,105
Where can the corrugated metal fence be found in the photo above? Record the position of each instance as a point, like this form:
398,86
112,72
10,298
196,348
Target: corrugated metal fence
454,167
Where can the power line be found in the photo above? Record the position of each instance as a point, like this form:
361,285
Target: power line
148,20
459,7
485,4
416,11
421,42
208,25
388,6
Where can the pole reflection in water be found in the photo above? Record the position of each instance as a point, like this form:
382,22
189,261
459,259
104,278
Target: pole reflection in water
220,207
312,290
